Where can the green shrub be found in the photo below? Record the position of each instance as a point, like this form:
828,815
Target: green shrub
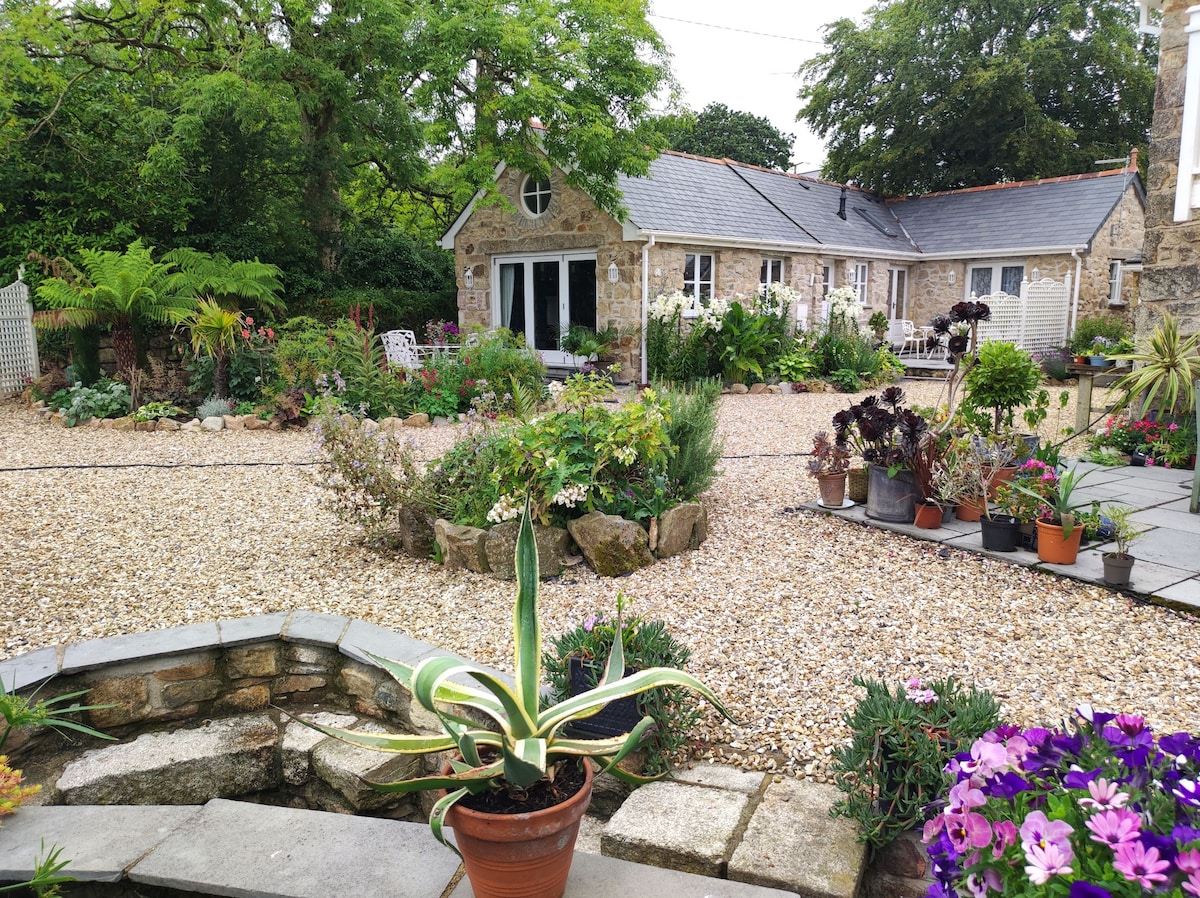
892,770
392,308
152,411
212,407
646,644
692,467
251,373
104,399
448,384
1111,327
360,377
1002,378
302,353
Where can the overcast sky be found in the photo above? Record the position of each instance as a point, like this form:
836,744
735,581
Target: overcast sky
745,54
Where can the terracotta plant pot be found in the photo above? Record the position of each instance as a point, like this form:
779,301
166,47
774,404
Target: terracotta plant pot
856,484
970,510
928,516
520,855
1052,548
1117,568
997,476
833,489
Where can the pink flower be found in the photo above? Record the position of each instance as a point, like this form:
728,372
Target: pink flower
1140,864
1039,831
1172,427
1192,885
1188,861
1006,836
1104,796
968,831
250,321
986,758
1114,827
963,796
1052,860
1149,461
270,333
245,334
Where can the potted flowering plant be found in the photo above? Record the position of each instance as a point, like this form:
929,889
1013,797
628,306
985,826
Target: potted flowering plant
1027,506
901,741
1098,810
1100,348
520,755
829,463
1058,537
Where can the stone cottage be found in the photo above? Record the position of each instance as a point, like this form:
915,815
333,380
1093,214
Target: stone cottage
1171,256
713,227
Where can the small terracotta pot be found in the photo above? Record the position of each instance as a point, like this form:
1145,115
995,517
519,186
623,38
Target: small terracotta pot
970,509
928,516
998,476
520,855
1052,548
833,489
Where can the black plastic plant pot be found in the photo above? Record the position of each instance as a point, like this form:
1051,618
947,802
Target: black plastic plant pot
1000,532
615,718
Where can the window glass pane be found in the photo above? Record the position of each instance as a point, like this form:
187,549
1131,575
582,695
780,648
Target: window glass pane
706,268
764,273
705,292
1010,279
536,196
981,281
689,267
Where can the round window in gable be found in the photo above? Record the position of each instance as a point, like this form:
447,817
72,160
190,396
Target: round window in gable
535,195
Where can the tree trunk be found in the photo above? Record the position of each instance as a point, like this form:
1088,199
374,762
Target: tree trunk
221,376
125,347
322,198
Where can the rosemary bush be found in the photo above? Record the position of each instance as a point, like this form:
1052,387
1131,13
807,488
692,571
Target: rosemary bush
692,429
893,769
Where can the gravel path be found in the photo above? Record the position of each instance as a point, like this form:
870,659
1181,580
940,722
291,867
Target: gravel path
781,607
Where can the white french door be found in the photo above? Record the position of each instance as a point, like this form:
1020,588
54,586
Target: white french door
897,293
541,295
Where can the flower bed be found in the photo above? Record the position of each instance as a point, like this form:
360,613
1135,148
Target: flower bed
1097,810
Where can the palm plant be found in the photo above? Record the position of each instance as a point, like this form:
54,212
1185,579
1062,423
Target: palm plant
215,331
1165,372
521,742
121,289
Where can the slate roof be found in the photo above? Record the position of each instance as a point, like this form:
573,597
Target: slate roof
725,199
1052,212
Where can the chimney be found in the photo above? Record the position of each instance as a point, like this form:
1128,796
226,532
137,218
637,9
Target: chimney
1133,154
842,204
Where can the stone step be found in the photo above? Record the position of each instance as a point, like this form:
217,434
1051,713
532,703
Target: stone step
234,848
741,826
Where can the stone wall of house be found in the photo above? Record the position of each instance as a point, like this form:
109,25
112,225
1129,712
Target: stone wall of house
1170,279
1118,239
572,222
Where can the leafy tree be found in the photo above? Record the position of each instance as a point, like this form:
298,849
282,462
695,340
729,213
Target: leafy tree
724,133
931,96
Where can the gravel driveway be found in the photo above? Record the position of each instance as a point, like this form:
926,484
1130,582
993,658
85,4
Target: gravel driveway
105,533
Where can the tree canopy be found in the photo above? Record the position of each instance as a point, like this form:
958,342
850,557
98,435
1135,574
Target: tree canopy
263,129
933,96
724,133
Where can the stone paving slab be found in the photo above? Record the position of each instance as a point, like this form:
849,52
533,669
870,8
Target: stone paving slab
1168,546
28,669
243,630
721,776
593,876
1186,592
94,653
678,826
315,628
361,637
100,842
242,850
792,843
1172,519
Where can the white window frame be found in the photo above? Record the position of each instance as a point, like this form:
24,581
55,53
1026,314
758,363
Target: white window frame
1187,186
826,279
859,275
897,293
1116,273
772,267
997,269
532,189
694,289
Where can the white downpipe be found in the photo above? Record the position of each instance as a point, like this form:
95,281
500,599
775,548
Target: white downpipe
1075,292
645,303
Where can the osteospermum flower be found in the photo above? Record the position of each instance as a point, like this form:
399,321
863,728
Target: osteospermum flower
1044,862
1104,796
1114,827
1140,864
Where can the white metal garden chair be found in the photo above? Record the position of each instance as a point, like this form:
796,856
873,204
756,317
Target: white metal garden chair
401,349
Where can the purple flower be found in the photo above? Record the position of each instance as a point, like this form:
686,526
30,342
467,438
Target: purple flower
1005,785
1104,796
1192,884
1044,862
1140,864
1188,861
1096,718
1114,827
1039,831
986,758
964,796
1080,889
1079,779
1006,836
1188,792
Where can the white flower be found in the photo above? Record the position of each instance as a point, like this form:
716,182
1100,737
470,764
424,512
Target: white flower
570,495
626,454
505,509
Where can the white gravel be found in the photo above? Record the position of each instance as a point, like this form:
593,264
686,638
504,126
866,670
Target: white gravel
781,607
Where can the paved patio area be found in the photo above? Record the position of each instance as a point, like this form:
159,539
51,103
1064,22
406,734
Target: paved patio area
1168,554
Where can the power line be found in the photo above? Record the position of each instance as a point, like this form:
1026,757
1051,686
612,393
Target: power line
782,37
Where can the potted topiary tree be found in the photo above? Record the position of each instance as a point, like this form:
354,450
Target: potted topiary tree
517,787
